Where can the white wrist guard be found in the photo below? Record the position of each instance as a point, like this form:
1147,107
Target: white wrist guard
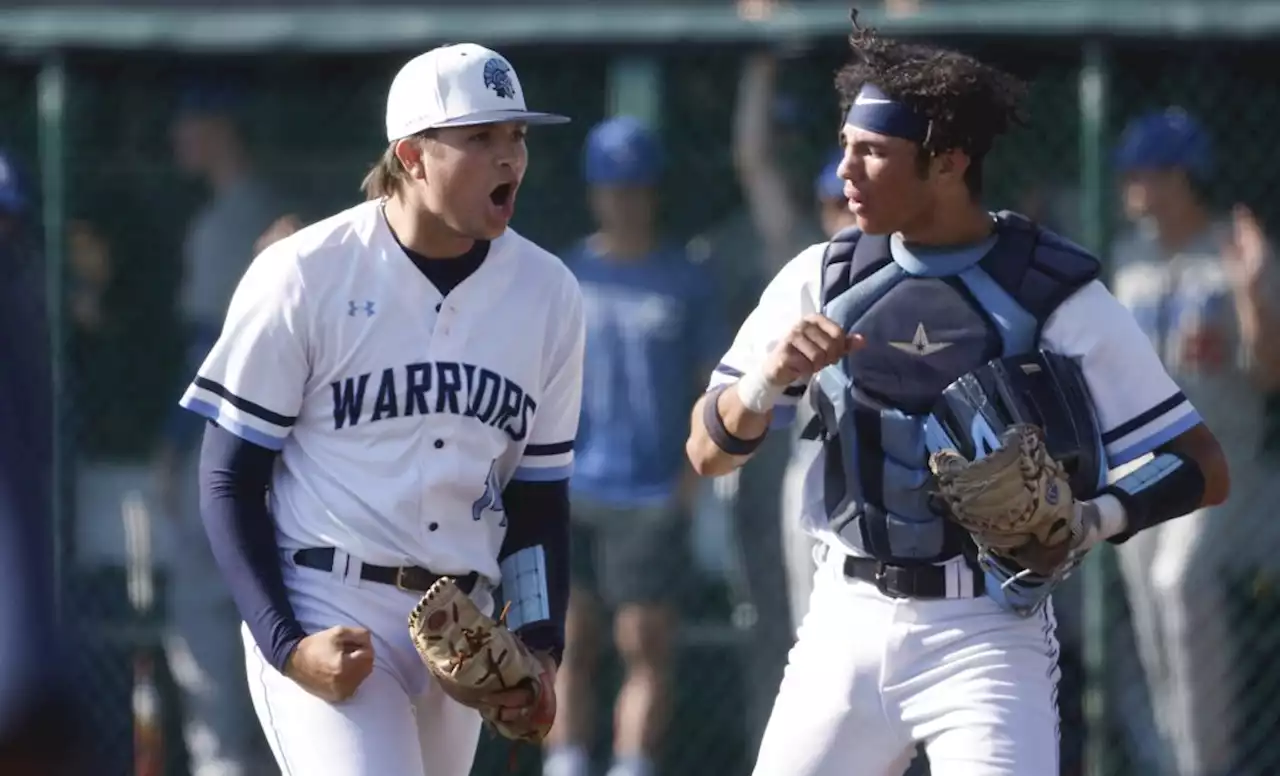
1099,519
756,393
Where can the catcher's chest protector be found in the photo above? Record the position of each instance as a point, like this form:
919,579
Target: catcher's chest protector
925,324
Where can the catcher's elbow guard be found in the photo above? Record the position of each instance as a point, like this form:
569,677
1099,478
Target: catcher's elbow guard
1168,486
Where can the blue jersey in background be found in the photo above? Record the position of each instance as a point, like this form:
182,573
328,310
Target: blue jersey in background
654,328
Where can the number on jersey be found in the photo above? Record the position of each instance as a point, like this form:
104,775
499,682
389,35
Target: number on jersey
491,498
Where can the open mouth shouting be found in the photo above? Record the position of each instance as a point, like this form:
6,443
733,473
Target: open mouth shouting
503,199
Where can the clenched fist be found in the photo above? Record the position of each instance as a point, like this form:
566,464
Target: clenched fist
332,664
812,344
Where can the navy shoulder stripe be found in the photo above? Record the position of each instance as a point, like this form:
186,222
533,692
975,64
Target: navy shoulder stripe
256,410
557,448
1132,425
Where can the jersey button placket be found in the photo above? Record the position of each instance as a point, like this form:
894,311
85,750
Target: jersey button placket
445,320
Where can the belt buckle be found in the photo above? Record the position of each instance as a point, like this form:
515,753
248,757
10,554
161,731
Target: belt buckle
400,576
881,583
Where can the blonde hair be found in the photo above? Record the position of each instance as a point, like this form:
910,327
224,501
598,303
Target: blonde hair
388,174
386,177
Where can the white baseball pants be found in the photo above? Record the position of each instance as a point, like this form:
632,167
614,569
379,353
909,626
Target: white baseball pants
870,676
398,722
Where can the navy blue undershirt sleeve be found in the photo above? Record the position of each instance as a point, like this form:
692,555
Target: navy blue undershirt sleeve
538,514
234,477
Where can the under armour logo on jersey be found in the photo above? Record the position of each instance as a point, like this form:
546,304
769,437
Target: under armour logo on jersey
497,76
354,308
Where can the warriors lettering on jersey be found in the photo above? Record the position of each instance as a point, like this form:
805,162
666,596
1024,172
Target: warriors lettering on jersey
434,387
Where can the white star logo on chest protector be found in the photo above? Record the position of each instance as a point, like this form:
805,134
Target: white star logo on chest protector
920,344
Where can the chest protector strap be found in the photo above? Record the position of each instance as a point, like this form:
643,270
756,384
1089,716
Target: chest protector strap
876,479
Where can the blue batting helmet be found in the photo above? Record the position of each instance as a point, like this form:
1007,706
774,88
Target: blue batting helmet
828,184
210,96
622,151
1167,139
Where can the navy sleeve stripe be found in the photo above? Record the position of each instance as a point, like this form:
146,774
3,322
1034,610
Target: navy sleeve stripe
1132,425
557,448
258,411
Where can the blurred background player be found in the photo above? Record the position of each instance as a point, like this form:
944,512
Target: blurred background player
203,645
1203,286
39,726
776,220
652,320
829,199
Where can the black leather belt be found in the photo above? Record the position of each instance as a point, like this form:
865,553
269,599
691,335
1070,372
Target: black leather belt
907,581
404,577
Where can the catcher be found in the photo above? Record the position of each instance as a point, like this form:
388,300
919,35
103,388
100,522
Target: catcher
974,383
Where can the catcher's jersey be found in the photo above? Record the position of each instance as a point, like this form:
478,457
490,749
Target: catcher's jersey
400,414
1139,407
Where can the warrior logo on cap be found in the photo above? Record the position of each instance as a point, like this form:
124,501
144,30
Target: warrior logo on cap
497,76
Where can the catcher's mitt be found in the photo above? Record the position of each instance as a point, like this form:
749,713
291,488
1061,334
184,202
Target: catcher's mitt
474,657
1016,501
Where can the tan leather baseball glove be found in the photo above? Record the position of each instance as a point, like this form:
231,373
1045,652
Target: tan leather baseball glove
1015,501
480,663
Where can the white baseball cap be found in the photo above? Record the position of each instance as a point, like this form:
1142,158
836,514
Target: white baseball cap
457,86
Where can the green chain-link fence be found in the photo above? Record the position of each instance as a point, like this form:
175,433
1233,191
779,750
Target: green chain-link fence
313,123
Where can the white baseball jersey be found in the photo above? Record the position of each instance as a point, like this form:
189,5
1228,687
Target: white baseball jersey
400,415
1139,407
1188,294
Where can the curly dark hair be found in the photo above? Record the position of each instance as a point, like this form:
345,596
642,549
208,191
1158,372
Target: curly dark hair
968,103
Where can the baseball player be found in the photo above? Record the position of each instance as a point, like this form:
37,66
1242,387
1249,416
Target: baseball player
913,634
36,709
1201,286
653,325
394,397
